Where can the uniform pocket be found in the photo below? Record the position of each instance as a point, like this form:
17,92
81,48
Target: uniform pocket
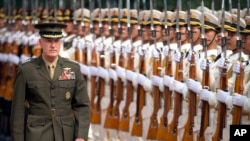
35,127
66,90
35,88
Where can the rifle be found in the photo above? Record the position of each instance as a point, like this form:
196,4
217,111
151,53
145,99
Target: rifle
188,129
84,58
140,102
162,127
112,116
172,127
125,118
99,93
93,77
222,108
124,122
153,126
205,84
237,110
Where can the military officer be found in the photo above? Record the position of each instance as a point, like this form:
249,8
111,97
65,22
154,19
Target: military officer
61,114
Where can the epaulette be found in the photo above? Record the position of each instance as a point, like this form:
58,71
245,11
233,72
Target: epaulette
26,61
70,60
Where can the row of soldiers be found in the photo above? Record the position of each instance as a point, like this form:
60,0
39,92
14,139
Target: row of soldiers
150,74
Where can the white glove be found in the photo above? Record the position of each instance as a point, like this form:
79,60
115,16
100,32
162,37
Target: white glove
203,64
222,63
193,85
238,99
205,94
222,96
177,56
168,80
236,67
84,69
179,86
103,73
155,80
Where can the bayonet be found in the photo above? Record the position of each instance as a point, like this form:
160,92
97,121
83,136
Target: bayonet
204,40
178,34
128,23
100,21
230,6
24,8
74,7
190,35
144,4
119,16
34,12
82,15
212,6
91,6
138,17
238,40
55,11
151,19
248,7
223,38
13,14
109,21
47,8
165,22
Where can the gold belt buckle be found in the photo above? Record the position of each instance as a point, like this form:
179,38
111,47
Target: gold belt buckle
53,112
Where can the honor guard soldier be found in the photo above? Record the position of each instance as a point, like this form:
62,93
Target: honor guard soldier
129,48
97,18
224,96
207,56
231,45
243,99
80,43
30,39
196,48
68,50
66,102
155,56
